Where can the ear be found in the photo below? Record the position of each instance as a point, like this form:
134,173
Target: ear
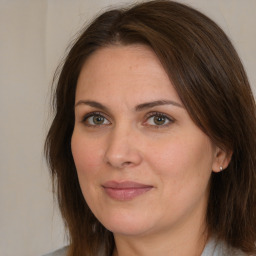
221,159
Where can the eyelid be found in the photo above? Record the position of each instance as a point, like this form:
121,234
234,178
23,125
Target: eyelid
146,118
94,113
156,113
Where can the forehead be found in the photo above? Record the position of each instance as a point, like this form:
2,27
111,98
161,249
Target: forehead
124,71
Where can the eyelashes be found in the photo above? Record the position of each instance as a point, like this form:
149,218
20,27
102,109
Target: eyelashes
152,119
158,120
95,119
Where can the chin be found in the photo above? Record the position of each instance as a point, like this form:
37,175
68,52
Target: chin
127,225
129,230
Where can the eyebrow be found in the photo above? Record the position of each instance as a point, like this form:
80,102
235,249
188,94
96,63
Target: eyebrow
93,104
139,107
152,104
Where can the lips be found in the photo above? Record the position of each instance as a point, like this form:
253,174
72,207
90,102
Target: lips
126,190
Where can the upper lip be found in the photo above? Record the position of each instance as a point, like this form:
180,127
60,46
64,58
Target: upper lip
124,185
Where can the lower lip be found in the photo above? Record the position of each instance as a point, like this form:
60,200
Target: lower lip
124,194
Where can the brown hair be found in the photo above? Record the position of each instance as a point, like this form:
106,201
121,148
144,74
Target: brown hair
211,82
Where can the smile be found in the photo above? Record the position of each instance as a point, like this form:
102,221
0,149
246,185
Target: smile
123,191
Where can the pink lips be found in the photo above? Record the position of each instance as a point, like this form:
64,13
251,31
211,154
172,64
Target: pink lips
126,190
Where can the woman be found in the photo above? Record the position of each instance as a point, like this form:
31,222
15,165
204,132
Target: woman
153,144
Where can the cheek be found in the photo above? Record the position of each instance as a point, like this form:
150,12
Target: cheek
183,159
86,155
184,169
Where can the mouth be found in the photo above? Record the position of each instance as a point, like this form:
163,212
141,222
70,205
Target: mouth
124,191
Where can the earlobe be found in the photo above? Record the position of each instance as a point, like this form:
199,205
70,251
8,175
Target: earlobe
222,160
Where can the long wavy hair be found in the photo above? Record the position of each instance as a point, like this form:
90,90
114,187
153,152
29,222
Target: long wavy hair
210,80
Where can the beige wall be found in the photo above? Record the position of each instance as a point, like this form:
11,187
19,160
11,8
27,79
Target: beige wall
33,37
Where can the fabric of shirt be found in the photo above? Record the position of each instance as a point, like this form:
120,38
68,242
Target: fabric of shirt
220,248
60,252
212,248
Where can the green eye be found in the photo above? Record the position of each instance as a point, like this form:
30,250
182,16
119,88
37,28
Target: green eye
158,120
95,119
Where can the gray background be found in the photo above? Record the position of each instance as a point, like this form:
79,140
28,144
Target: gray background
33,37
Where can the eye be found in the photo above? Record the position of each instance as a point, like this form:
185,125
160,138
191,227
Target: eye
95,119
158,119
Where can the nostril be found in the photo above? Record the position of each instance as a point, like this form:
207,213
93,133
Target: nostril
121,165
127,163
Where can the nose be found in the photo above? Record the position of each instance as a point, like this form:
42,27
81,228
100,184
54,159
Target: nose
122,150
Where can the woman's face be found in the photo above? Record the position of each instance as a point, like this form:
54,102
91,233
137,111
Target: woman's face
143,165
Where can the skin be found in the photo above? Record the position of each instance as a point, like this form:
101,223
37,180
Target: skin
128,143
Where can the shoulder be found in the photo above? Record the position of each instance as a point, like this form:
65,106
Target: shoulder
220,248
59,252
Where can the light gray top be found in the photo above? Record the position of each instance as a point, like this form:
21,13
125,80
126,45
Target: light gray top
212,248
60,252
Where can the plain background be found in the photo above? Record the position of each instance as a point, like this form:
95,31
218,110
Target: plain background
33,37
